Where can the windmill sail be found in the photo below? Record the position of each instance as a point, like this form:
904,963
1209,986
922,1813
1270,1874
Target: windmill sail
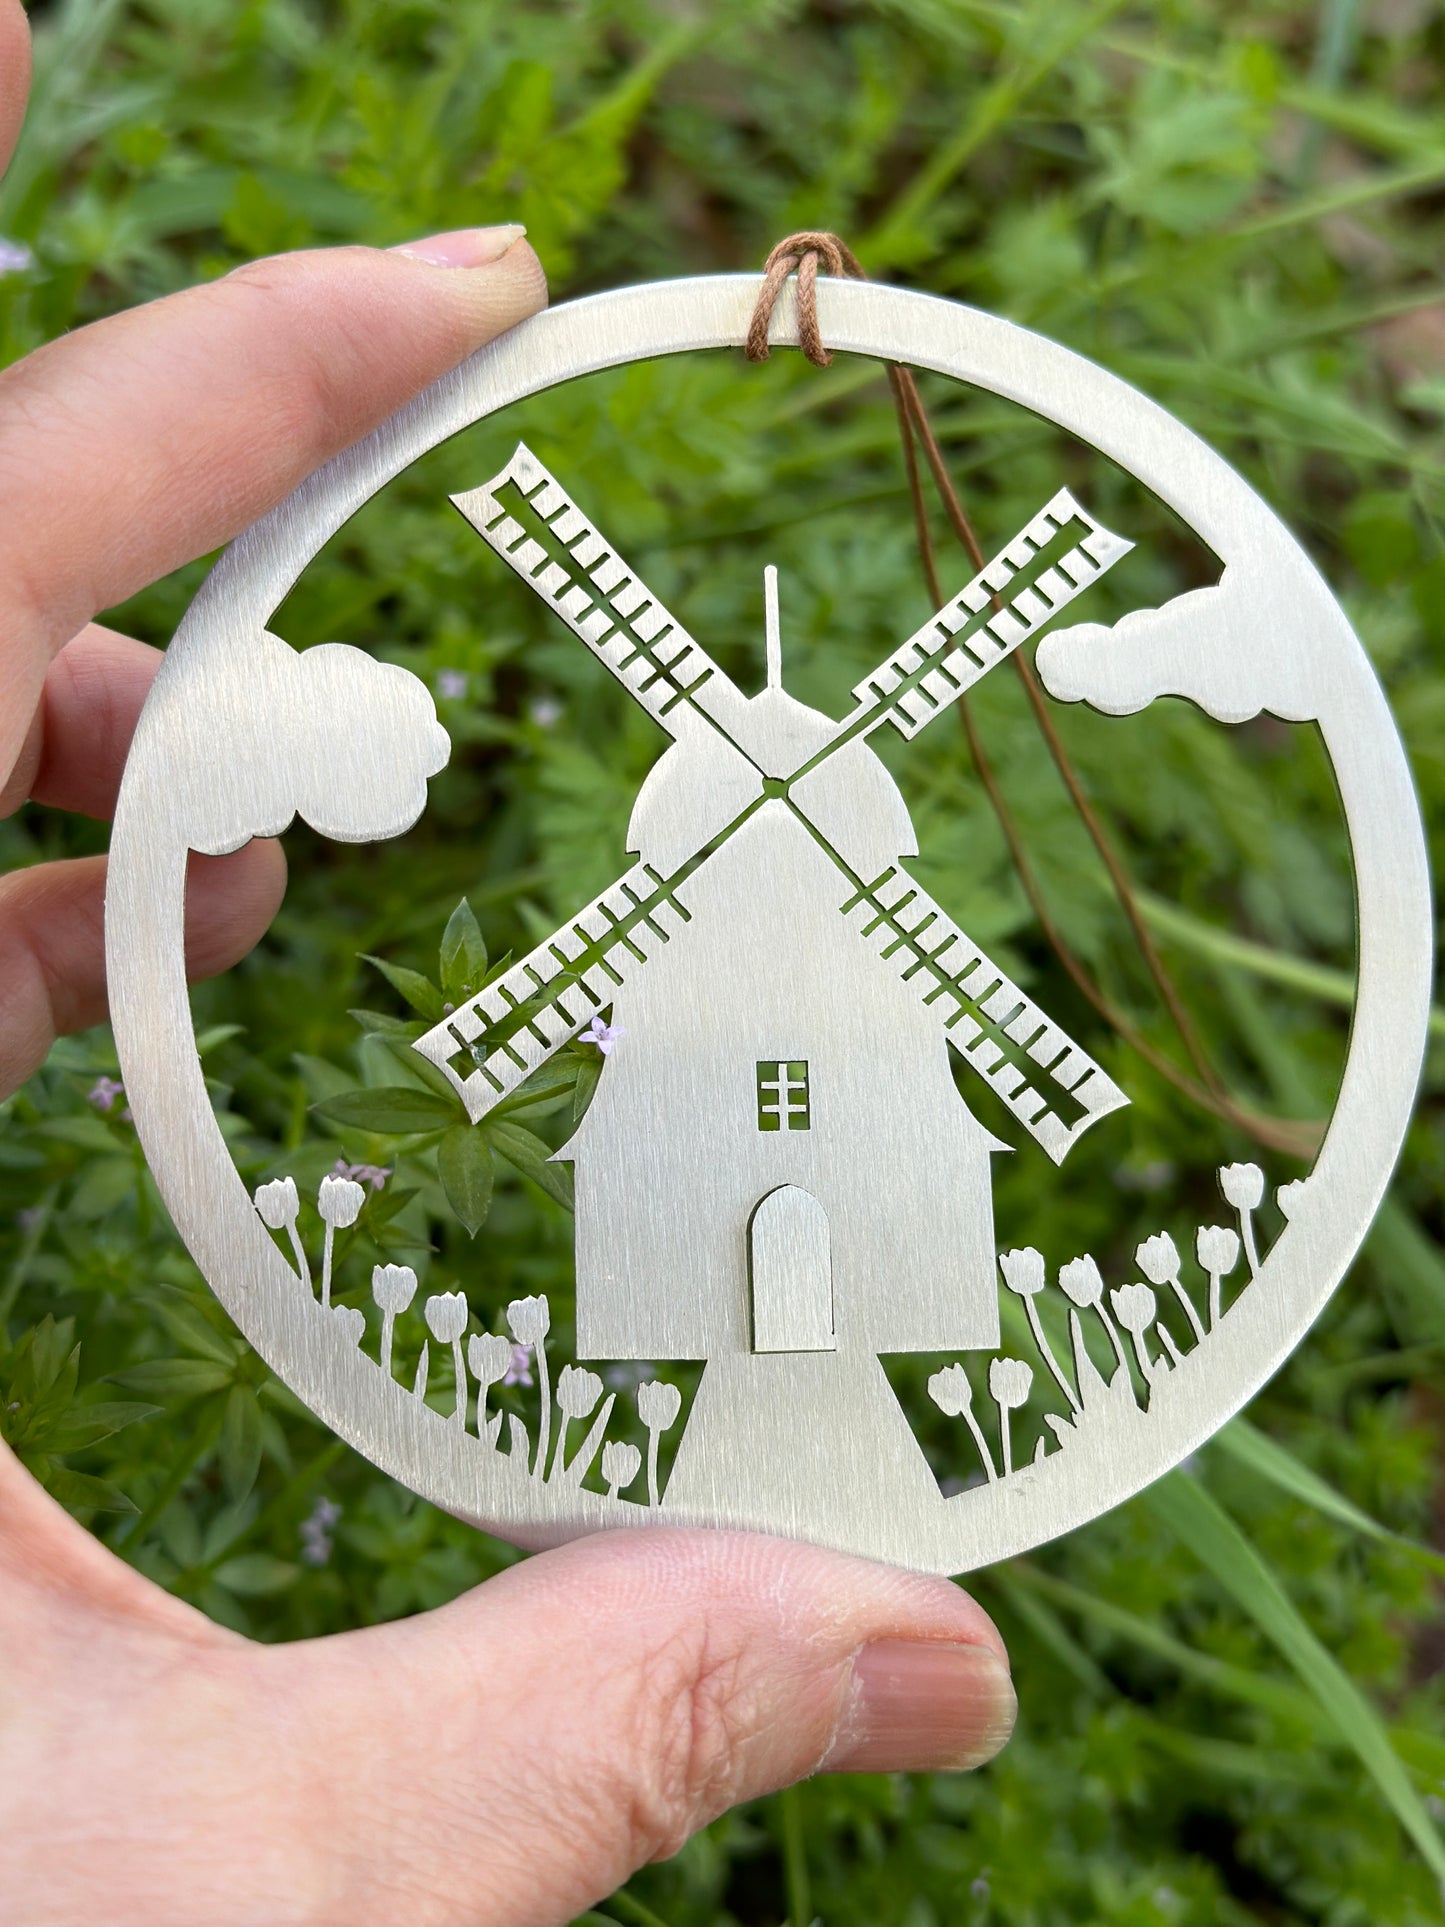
526,515
496,1039
1063,551
1053,1088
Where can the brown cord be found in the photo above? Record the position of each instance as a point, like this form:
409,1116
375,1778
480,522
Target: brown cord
804,252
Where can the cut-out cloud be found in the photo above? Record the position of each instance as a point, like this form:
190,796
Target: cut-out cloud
328,734
1230,648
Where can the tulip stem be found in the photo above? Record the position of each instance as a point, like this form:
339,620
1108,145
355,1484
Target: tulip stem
460,1413
559,1455
302,1266
1251,1249
1214,1295
653,1437
1047,1354
326,1264
1112,1330
544,1421
388,1331
982,1443
1188,1303
1005,1432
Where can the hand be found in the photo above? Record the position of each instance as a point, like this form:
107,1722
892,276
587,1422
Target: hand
516,1755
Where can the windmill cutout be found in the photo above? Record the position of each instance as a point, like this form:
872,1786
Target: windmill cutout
777,1172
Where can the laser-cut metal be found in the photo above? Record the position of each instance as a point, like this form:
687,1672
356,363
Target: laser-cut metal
1130,1376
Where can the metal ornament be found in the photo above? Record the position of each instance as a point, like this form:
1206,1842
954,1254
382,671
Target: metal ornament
765,970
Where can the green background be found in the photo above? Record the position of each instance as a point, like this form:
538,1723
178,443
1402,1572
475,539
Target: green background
1231,1705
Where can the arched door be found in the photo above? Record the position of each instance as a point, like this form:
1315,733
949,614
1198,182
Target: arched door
790,1268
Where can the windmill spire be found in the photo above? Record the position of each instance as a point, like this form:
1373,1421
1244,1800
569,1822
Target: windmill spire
774,634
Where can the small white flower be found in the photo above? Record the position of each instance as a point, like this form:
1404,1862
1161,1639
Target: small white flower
1081,1281
621,1464
1159,1259
446,1316
393,1287
530,1320
490,1357
1023,1271
1242,1185
658,1404
339,1201
15,257
603,1035
578,1391
278,1203
950,1390
546,712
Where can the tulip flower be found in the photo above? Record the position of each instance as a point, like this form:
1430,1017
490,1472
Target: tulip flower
1289,1198
658,1405
1243,1187
1217,1249
1083,1283
446,1317
280,1207
531,1320
620,1465
339,1201
1025,1275
351,1320
1158,1259
1010,1381
490,1357
1136,1308
578,1391
393,1287
953,1395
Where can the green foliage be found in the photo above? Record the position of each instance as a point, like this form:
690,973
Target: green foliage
1231,1690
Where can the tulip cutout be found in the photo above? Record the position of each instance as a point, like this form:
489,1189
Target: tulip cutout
621,1464
1024,1274
1243,1187
577,1394
446,1317
1217,1249
339,1201
1010,1381
490,1357
530,1320
658,1405
280,1207
1158,1259
393,1287
953,1395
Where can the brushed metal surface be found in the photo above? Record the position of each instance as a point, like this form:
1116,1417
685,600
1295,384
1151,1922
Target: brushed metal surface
810,1443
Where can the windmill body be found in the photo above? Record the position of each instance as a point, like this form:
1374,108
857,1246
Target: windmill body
683,1143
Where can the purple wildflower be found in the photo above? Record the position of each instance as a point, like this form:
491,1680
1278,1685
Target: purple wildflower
316,1531
375,1175
103,1093
603,1034
519,1372
15,257
452,684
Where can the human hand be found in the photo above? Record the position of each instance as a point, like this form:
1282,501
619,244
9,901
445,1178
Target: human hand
516,1755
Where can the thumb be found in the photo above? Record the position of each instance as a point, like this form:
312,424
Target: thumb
534,1743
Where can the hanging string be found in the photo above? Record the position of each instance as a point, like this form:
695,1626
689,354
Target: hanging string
804,254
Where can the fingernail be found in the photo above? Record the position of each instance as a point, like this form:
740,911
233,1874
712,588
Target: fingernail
468,247
922,1706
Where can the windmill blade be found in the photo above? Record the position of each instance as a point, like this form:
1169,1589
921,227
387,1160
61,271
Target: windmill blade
526,515
1061,553
1053,1088
496,1039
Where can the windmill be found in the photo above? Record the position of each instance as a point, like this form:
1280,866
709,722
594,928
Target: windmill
777,1160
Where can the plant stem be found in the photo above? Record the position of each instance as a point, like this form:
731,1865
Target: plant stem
795,1858
544,1422
1046,1352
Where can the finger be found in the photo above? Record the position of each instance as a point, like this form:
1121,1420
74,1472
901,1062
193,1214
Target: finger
52,941
148,438
80,734
14,75
589,1710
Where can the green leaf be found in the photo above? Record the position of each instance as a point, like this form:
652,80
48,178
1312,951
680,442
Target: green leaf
256,1575
393,1110
467,1173
379,1023
463,954
546,1085
1186,1508
86,1425
587,1080
80,1489
175,1378
218,1034
530,1154
420,992
1265,1456
240,1453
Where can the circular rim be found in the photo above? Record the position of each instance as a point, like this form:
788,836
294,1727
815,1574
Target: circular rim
1295,611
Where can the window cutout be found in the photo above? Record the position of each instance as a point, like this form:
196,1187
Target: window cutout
783,1100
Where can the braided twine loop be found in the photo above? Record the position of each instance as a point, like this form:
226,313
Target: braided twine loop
805,252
